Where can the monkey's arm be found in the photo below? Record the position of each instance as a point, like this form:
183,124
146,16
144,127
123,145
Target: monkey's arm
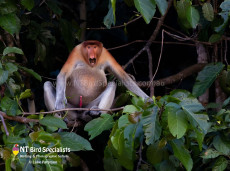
118,71
65,72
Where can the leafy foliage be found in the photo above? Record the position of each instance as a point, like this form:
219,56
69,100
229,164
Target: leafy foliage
174,132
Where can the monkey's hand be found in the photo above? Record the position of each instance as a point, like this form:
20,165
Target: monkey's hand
60,103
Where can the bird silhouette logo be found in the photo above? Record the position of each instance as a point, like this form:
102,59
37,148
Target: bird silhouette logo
16,149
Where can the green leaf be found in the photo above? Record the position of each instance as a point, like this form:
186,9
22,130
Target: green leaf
221,28
151,126
221,145
226,102
208,11
53,122
9,106
110,163
74,141
26,94
3,76
193,16
155,154
123,121
16,50
220,164
98,125
113,2
210,154
109,19
11,68
182,153
8,7
162,6
206,77
31,72
117,140
130,109
181,7
177,122
215,38
10,23
199,120
28,4
147,8
225,6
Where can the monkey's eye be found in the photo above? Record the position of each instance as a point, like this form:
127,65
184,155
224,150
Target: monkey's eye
95,47
88,47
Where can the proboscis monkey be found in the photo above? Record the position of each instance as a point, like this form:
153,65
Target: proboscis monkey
83,75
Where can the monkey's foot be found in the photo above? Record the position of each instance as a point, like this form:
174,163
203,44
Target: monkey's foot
94,112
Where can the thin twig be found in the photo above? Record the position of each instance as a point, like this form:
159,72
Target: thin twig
115,27
4,124
140,156
73,109
159,60
144,41
150,58
153,36
225,51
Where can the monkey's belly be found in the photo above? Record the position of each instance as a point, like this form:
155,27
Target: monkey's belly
88,83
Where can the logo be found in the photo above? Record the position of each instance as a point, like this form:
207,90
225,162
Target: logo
16,149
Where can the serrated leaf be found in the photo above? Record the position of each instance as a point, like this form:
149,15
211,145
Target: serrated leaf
208,11
206,77
162,6
182,153
31,72
200,120
74,141
151,126
210,154
147,8
177,122
28,4
98,125
16,50
3,76
193,16
53,122
11,68
10,23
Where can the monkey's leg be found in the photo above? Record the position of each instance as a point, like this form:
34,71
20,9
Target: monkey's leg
50,98
105,100
49,95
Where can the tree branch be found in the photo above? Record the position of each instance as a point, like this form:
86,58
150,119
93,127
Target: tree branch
174,78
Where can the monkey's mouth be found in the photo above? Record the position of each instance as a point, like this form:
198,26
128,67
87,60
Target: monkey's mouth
92,61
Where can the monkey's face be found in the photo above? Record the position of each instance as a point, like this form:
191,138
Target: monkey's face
92,52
